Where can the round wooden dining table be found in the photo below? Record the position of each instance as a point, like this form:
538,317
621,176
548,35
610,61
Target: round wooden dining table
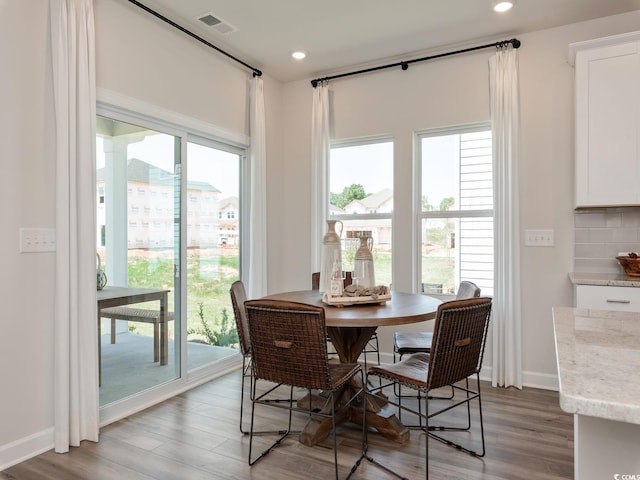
350,327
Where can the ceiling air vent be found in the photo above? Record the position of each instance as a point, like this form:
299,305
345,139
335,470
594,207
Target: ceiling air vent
216,23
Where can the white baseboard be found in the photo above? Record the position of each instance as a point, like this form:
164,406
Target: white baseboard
25,448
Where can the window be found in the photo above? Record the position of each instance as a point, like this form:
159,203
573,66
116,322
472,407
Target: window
456,214
361,197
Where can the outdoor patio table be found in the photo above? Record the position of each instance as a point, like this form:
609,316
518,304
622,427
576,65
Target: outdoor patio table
117,296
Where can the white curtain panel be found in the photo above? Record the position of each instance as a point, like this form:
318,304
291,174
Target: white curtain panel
320,149
75,315
507,325
257,282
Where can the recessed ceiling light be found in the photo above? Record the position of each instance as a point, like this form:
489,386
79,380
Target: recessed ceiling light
503,5
298,55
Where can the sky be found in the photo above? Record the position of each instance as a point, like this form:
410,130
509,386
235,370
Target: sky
370,165
205,164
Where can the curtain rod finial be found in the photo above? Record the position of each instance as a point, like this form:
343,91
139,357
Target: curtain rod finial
516,43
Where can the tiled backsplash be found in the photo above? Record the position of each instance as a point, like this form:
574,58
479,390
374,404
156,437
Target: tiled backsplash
600,234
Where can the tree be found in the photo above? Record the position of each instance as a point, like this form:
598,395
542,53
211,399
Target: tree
353,192
426,206
447,203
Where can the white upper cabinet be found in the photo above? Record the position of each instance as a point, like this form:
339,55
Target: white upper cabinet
607,123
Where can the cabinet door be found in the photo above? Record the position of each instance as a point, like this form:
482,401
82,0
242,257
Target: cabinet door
607,126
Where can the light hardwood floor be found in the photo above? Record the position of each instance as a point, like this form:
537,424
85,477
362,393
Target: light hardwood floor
195,436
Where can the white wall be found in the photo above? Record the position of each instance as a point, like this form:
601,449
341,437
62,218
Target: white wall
27,200
439,93
139,57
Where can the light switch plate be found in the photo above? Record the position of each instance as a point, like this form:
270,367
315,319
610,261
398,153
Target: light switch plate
37,240
538,238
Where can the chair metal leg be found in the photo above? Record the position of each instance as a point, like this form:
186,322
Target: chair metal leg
470,395
245,368
365,446
429,430
331,399
247,373
284,433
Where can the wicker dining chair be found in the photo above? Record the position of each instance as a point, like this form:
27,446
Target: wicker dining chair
457,349
416,342
372,346
289,348
406,343
238,297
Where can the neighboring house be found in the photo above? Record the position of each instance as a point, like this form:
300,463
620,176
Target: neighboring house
380,202
228,216
151,204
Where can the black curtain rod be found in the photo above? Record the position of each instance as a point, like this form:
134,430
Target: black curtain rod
256,72
514,41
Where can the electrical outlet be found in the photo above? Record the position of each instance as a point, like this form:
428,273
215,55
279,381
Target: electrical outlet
538,238
37,240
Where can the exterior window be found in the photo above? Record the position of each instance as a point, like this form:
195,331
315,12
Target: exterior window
361,197
456,209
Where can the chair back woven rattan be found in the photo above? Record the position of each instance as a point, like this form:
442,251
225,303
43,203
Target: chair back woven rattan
238,297
289,343
289,348
458,341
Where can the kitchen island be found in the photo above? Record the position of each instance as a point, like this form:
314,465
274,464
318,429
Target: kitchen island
598,355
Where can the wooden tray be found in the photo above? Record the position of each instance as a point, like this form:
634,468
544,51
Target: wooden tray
346,300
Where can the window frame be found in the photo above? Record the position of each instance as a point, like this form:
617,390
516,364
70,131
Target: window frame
421,215
121,108
355,142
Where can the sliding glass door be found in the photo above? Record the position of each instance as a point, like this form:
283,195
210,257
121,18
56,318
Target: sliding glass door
169,222
138,218
213,251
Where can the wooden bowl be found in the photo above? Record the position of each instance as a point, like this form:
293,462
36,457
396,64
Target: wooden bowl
631,265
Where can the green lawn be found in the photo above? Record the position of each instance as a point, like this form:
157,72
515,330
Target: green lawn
209,278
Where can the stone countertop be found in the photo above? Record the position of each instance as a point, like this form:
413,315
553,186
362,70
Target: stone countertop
598,355
604,279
